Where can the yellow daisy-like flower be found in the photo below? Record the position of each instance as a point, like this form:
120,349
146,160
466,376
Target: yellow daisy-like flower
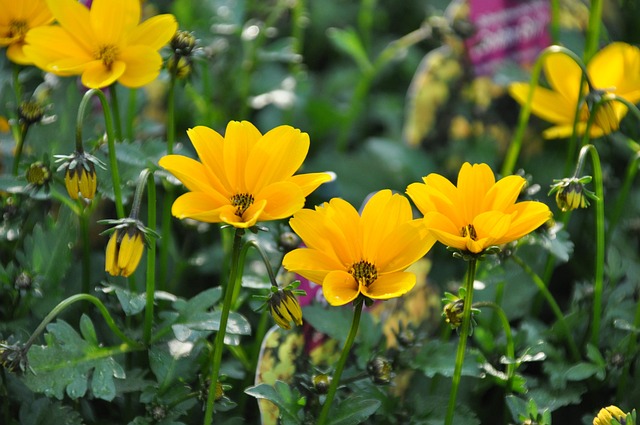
244,177
351,254
105,44
607,414
16,19
613,70
479,212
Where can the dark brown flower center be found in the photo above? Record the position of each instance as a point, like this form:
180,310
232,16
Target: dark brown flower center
18,28
107,53
241,201
470,231
364,272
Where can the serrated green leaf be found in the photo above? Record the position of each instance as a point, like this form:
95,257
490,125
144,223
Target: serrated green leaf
44,411
131,302
439,358
69,363
353,410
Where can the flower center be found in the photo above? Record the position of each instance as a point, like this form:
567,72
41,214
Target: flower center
470,231
241,201
364,272
18,28
107,53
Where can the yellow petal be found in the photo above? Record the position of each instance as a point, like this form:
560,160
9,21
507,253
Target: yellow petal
142,66
276,156
96,75
390,286
444,230
340,288
283,200
249,218
547,104
69,66
617,68
111,20
209,145
564,131
492,225
529,215
111,255
15,53
189,171
199,206
437,194
381,216
474,181
240,137
49,44
406,245
155,32
311,264
310,181
74,17
564,75
503,194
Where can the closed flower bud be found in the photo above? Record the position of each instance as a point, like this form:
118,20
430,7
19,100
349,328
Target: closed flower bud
124,251
380,370
606,117
80,177
284,308
571,193
606,416
182,43
453,313
321,383
30,112
181,69
39,176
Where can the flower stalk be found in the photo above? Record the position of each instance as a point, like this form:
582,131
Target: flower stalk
151,255
462,343
335,381
218,345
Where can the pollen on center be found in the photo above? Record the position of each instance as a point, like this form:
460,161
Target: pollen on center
241,201
364,272
107,53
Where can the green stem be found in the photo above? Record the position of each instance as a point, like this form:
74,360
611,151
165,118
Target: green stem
24,128
511,354
86,252
462,343
335,381
167,202
171,118
555,21
68,302
218,345
151,261
131,113
365,22
108,121
593,29
573,348
116,112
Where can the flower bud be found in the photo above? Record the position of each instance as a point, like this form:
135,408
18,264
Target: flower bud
39,175
182,43
571,193
181,69
321,383
606,117
124,251
284,308
453,313
30,112
80,177
607,414
380,370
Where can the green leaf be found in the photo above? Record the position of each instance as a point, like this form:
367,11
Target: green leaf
353,410
288,399
439,358
71,364
44,411
169,362
581,371
333,322
88,331
348,42
131,302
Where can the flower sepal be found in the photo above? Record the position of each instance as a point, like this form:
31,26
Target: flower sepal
468,255
453,309
283,304
571,193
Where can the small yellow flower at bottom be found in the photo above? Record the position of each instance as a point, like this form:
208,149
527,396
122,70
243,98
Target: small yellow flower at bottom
606,415
124,251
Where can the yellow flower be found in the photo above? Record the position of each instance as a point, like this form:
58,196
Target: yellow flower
124,251
613,70
244,177
479,212
16,19
606,414
349,254
284,308
105,44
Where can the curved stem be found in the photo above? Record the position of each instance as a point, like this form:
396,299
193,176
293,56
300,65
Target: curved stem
573,348
151,261
335,381
254,244
108,121
511,354
218,345
462,343
68,302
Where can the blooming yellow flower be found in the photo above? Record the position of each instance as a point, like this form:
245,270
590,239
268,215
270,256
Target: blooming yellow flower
479,212
105,44
244,177
16,19
613,70
351,254
606,414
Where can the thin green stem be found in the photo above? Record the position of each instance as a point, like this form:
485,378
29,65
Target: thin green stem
365,21
167,202
17,87
462,343
151,261
218,345
64,304
593,29
171,116
131,113
86,251
555,21
115,105
510,349
108,121
24,128
335,380
573,348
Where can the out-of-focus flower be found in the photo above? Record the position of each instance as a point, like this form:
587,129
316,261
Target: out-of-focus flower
104,44
380,370
613,70
612,415
39,176
351,254
479,212
571,193
244,177
80,177
16,19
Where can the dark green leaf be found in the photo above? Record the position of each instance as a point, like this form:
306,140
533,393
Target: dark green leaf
288,399
353,410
